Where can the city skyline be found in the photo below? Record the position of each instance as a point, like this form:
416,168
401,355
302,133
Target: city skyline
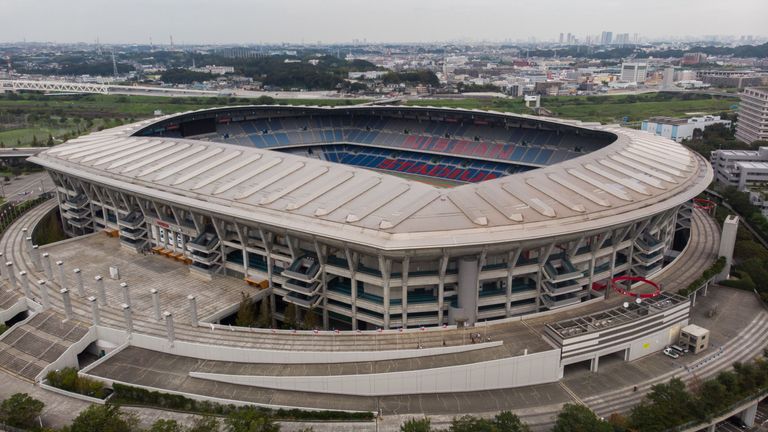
343,21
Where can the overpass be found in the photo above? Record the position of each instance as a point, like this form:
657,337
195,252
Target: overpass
20,152
72,87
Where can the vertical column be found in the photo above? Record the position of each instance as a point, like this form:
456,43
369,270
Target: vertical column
29,246
467,289
100,290
156,303
79,282
95,310
25,284
126,293
36,257
169,325
67,302
62,280
128,317
11,275
192,310
47,266
404,301
1,256
44,294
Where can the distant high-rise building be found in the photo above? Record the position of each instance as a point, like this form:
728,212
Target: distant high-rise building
669,78
570,39
633,72
752,123
561,38
622,39
606,38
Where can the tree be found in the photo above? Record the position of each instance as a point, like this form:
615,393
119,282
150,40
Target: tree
290,316
245,314
666,406
34,140
416,425
105,418
507,421
265,313
21,411
310,319
163,425
50,142
579,418
250,420
204,424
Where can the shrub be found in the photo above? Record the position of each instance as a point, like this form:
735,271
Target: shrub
21,411
68,379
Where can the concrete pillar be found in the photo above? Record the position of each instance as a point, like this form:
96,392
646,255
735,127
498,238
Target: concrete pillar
11,274
79,282
192,310
126,293
95,310
100,290
36,257
593,364
67,302
1,256
25,284
62,278
712,428
44,294
749,414
29,246
128,317
156,303
169,325
468,277
727,243
47,266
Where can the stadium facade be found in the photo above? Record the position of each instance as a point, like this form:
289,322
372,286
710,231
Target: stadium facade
388,217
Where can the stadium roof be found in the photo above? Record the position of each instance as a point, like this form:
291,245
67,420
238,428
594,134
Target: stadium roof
637,175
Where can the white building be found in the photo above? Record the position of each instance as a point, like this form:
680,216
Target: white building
741,168
633,72
752,124
680,129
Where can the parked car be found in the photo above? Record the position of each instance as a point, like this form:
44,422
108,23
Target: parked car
680,350
669,352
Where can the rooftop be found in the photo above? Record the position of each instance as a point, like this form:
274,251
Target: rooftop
616,316
636,175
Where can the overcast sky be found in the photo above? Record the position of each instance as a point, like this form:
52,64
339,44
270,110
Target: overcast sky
329,21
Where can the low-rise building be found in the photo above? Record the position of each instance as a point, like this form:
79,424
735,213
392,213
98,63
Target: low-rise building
680,129
741,169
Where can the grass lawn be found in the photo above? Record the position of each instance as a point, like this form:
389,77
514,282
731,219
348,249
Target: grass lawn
105,110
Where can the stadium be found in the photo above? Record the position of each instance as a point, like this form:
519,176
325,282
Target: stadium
388,217
437,261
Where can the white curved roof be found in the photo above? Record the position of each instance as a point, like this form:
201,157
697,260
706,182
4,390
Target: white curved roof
637,175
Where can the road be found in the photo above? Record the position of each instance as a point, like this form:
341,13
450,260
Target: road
26,186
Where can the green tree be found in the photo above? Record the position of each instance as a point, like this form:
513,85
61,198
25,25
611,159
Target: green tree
21,411
163,425
666,406
265,313
579,418
416,425
310,319
50,142
204,424
245,314
250,420
507,421
103,418
290,316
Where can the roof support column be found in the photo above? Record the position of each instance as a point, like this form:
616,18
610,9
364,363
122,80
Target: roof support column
404,301
544,254
352,260
322,255
441,287
512,258
266,238
385,265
